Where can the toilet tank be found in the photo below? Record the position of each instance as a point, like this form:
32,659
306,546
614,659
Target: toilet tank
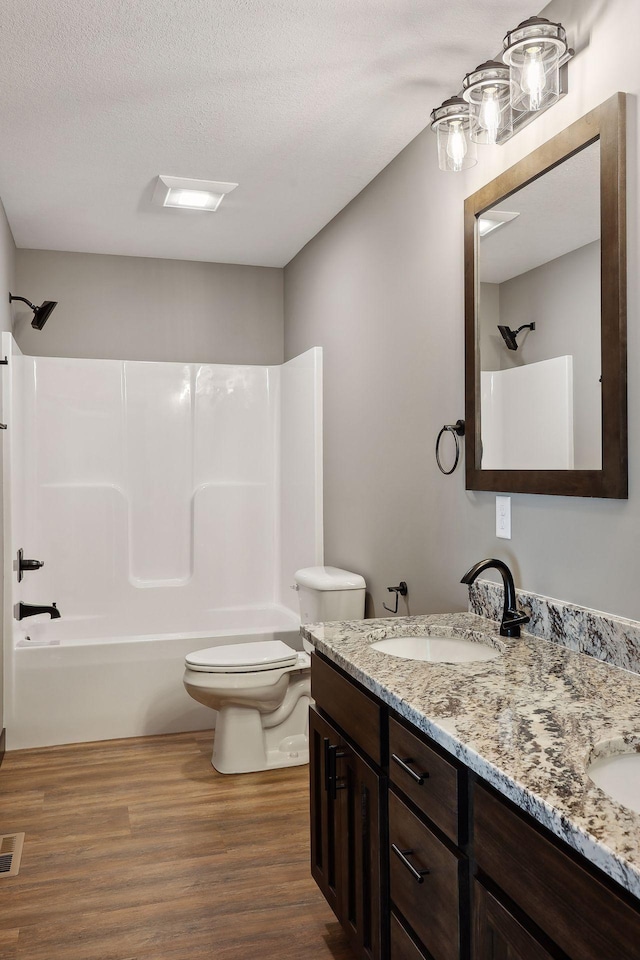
328,593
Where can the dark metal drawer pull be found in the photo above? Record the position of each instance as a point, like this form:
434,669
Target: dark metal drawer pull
402,855
404,765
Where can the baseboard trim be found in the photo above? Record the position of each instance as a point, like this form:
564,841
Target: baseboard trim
3,738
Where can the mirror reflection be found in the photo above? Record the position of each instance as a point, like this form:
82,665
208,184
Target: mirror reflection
538,318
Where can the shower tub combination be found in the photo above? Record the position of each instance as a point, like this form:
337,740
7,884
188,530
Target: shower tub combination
171,504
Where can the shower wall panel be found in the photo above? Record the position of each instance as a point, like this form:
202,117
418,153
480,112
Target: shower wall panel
158,428
171,505
148,486
301,543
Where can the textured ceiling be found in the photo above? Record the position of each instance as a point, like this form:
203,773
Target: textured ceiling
301,103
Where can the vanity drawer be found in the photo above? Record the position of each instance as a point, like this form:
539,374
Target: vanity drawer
348,706
412,761
429,903
402,945
578,911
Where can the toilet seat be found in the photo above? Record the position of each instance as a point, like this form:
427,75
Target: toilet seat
256,657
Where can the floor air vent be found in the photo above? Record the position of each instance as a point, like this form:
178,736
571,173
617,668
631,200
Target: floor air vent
10,854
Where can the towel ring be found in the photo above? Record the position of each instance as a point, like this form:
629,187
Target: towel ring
457,430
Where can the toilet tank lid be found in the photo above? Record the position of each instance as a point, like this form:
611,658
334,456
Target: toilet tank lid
329,578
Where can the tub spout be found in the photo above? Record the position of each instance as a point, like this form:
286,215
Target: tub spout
32,609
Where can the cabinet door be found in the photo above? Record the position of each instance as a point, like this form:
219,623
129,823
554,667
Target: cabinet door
498,935
345,834
359,790
326,866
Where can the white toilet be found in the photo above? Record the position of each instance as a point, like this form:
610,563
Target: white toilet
262,690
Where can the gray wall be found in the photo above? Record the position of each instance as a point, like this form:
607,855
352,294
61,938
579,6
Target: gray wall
133,308
492,346
7,276
381,288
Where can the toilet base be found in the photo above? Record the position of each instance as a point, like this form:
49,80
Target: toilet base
244,743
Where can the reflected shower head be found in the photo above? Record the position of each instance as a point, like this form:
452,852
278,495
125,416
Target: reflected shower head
509,335
40,314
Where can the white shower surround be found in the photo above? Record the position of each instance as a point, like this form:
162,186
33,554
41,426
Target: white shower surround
172,504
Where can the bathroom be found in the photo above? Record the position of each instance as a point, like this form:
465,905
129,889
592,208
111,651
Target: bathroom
354,246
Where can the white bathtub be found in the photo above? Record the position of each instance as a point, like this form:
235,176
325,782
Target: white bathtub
79,679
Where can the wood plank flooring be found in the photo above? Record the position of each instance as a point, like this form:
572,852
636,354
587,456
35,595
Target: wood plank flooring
139,850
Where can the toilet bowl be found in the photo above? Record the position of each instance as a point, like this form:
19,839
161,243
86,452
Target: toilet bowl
262,693
262,690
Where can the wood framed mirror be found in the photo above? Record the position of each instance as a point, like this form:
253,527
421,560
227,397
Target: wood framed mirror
545,317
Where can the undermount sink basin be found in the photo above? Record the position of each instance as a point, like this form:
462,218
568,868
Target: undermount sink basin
435,649
614,766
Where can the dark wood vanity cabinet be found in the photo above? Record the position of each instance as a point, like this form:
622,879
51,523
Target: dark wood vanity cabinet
382,852
562,895
420,860
499,935
324,743
346,829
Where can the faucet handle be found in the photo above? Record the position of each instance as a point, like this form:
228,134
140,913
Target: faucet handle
517,616
510,626
24,565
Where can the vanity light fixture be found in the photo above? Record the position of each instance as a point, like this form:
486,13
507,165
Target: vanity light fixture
534,52
499,97
487,90
452,123
189,194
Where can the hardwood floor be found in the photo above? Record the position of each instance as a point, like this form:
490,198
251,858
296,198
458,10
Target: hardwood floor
139,850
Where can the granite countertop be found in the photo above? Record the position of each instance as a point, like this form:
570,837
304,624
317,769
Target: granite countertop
526,722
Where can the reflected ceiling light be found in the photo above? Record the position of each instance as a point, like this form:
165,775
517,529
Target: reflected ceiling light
534,52
452,123
498,98
187,194
487,90
489,222
40,314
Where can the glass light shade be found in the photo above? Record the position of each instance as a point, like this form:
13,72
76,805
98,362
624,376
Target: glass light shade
533,52
452,124
487,90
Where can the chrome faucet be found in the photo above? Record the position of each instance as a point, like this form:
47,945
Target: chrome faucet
31,609
512,618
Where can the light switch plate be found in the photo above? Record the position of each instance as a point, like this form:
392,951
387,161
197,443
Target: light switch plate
503,518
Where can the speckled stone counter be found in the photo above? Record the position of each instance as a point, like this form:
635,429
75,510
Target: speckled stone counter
526,722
